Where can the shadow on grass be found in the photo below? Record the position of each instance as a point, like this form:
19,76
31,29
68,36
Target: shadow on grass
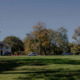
59,74
7,65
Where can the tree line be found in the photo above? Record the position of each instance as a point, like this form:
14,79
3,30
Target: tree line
45,41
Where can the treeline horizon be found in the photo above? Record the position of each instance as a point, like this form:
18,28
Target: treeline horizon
45,41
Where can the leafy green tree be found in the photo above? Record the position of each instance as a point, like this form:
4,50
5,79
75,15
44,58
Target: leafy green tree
62,39
15,43
76,35
52,40
75,49
29,43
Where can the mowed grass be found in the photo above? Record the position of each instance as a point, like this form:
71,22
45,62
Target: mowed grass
40,68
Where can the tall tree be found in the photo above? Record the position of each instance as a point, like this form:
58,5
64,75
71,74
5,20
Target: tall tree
62,39
52,41
38,40
38,32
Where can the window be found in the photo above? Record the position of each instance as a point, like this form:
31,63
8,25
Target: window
1,44
7,47
1,47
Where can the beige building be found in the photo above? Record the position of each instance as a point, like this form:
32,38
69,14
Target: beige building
5,49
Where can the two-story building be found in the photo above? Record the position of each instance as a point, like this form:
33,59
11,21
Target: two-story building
5,49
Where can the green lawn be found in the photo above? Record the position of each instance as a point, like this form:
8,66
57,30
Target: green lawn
40,68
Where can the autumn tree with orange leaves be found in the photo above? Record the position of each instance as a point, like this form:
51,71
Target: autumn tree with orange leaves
41,35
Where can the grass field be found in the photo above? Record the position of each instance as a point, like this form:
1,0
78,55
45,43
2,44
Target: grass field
40,68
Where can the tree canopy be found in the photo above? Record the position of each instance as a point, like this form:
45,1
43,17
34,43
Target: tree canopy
15,43
46,41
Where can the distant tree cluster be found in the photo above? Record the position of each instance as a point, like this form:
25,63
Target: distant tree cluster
45,41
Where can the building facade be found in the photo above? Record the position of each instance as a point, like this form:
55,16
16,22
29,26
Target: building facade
5,49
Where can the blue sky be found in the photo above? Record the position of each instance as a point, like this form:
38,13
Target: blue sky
18,16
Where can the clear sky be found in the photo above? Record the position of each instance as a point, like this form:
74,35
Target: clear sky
18,16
